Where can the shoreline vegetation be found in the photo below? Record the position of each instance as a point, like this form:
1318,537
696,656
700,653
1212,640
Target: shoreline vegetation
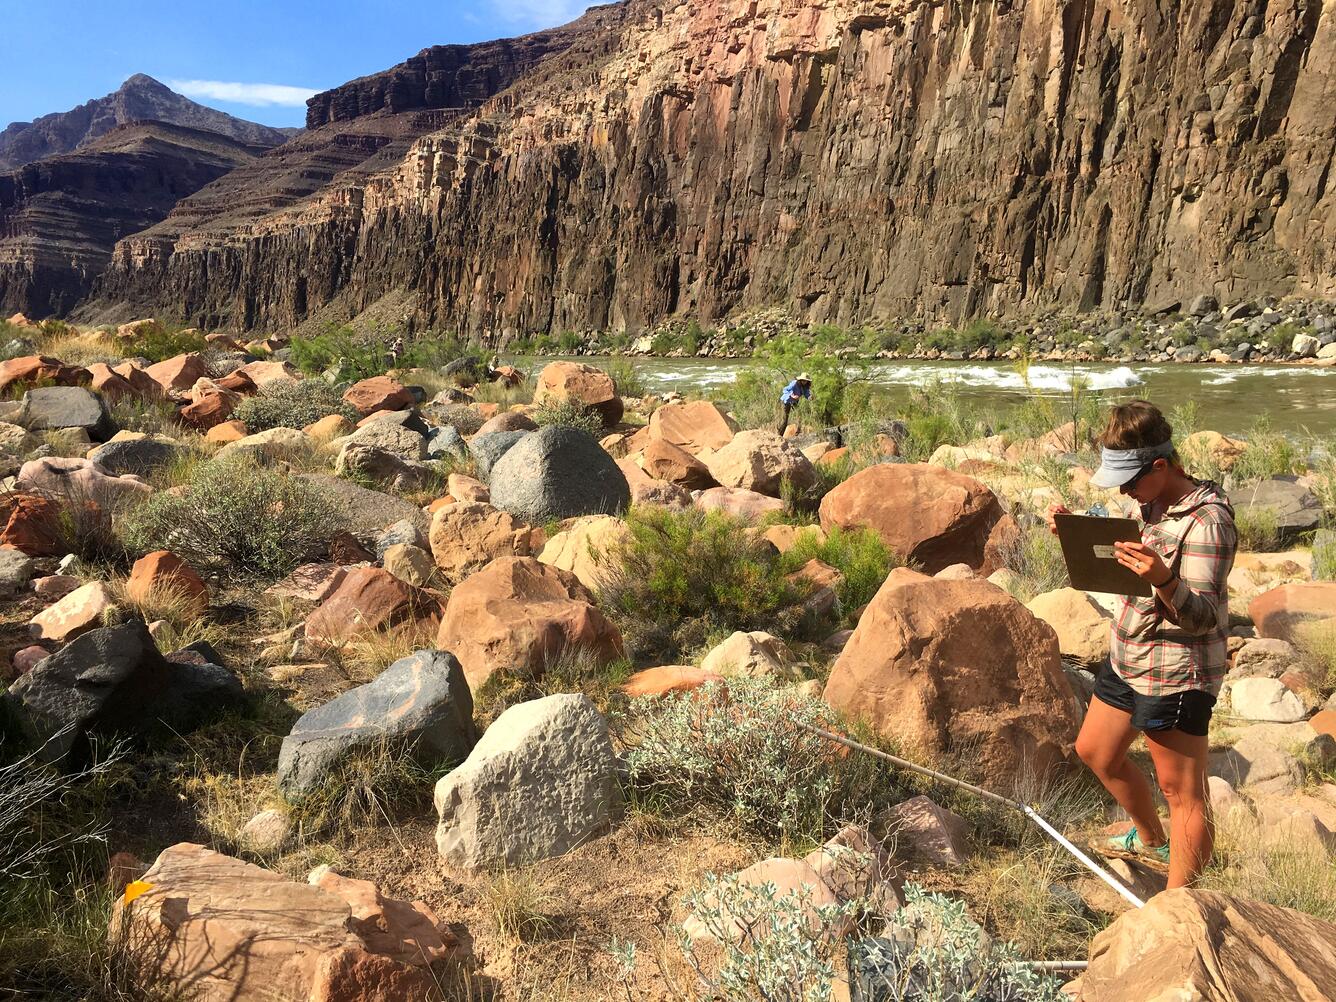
289,534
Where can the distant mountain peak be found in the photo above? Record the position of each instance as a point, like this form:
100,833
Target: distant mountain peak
139,98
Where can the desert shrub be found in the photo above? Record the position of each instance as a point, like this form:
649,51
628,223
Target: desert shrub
937,415
1317,644
292,404
521,907
680,576
939,953
754,396
233,514
1035,555
568,413
374,785
1291,873
355,354
1268,454
146,416
1021,896
629,381
1324,555
742,752
859,554
159,343
1258,528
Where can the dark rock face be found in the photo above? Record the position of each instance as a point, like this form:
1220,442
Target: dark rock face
139,99
113,680
60,217
420,705
848,161
556,473
1295,509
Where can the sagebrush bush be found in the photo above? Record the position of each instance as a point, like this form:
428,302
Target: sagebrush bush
742,751
159,343
859,554
285,403
234,515
680,576
568,413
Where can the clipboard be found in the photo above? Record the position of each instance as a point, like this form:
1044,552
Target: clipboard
1087,546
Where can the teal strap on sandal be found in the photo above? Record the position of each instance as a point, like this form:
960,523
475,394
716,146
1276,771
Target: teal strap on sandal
1132,845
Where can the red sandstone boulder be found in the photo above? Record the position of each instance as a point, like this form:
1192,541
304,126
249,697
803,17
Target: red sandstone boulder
739,502
369,599
646,490
263,373
760,461
468,535
32,369
665,461
508,421
694,426
573,381
111,385
520,614
941,665
380,393
209,411
929,516
1283,613
162,578
177,375
143,384
32,524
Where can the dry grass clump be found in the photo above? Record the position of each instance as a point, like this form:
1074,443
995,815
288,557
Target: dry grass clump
1035,555
374,786
1023,897
520,904
1291,873
365,655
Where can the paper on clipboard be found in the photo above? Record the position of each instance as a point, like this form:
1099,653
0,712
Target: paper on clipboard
1092,564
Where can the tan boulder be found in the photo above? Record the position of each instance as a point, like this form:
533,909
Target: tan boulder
379,393
927,515
586,548
369,599
739,502
309,583
574,381
410,564
520,614
1285,613
261,374
760,461
407,932
1204,945
508,421
941,665
752,655
665,461
78,612
219,930
785,537
79,480
162,578
275,443
468,535
646,490
1211,449
177,375
463,488
1081,625
693,427
227,431
328,428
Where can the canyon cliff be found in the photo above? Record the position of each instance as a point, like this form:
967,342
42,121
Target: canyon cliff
849,160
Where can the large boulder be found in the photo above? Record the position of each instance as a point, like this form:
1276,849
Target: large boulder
140,455
927,515
693,427
379,393
540,782
1284,613
1294,507
76,613
369,599
959,664
217,929
519,614
113,680
760,461
555,473
364,511
664,461
177,375
467,536
1082,626
367,463
584,548
29,369
1193,944
418,707
404,442
487,449
270,444
49,408
752,655
739,502
592,388
79,481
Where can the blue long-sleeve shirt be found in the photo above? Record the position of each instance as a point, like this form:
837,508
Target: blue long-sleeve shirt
794,391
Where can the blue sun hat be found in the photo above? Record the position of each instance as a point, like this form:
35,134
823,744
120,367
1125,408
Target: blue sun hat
1118,466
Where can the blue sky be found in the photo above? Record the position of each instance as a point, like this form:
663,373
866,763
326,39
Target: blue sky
258,60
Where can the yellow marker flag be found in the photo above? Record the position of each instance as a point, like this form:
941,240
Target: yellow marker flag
136,888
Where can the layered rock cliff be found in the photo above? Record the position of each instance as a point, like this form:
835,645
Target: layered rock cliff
60,217
139,99
847,159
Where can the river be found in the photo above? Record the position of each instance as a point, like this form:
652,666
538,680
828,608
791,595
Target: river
1297,400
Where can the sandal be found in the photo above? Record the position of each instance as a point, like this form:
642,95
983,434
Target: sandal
1130,847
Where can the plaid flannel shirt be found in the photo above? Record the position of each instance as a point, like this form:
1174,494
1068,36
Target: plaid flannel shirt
1162,650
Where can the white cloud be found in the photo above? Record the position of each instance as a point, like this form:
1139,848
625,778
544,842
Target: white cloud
261,95
540,13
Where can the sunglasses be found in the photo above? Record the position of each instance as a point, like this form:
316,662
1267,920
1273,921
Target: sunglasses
1131,484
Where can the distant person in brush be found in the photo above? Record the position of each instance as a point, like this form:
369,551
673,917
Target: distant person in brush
799,389
1167,652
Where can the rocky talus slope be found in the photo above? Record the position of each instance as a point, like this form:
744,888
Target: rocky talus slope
139,99
846,159
60,217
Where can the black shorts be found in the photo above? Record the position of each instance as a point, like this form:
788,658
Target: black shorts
1189,712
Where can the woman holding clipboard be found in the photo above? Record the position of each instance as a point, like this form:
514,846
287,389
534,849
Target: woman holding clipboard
1167,651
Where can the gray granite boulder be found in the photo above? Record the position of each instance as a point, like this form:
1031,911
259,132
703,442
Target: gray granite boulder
1295,508
140,456
446,441
557,473
53,407
487,449
419,706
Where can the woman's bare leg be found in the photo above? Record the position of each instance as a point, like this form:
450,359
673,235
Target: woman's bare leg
1180,768
1105,737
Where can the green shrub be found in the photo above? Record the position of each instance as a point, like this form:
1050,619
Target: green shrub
859,554
681,576
1268,454
1258,528
159,343
1035,555
284,403
1324,555
363,354
626,376
233,514
568,413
